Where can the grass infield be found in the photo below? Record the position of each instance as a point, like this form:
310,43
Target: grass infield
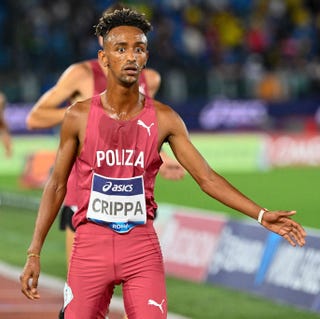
294,188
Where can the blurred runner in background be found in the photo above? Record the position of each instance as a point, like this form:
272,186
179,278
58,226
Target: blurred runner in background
4,130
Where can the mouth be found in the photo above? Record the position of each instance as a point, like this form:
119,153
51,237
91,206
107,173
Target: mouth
131,69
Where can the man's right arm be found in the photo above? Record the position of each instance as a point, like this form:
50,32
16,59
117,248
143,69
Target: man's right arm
47,112
52,198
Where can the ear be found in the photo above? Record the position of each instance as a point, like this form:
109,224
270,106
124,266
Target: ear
103,58
100,40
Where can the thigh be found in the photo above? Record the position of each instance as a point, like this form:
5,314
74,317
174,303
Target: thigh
144,289
145,296
90,281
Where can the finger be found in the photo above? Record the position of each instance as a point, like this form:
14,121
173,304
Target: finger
288,213
25,288
24,284
34,286
289,239
299,228
293,235
299,235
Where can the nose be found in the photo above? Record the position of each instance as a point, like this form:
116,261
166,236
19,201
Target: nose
131,56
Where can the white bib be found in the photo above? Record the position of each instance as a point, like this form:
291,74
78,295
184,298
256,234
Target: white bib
118,203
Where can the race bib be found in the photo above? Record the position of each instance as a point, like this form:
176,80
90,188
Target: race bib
118,203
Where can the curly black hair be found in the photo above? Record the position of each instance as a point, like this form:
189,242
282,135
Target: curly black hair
121,17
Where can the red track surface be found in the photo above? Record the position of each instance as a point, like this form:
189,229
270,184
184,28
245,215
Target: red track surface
14,305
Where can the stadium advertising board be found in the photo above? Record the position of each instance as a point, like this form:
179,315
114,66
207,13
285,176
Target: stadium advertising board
240,254
231,114
293,150
252,259
188,241
293,275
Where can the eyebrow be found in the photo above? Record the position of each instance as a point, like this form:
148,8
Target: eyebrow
136,43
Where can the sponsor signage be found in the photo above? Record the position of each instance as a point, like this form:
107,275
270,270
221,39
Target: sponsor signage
250,258
294,150
16,114
188,242
238,255
224,113
293,275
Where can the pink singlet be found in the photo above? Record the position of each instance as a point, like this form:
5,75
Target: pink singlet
99,85
115,242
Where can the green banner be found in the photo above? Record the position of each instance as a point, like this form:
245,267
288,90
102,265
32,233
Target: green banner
231,152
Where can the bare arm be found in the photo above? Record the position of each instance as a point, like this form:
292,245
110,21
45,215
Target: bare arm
173,129
153,80
50,204
170,168
4,130
47,111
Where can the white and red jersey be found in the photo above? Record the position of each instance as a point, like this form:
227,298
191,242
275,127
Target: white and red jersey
118,149
99,85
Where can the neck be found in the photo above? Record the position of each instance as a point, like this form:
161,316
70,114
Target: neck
122,103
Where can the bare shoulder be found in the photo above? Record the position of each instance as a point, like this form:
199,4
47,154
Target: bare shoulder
169,121
79,69
76,81
152,73
78,110
164,110
153,80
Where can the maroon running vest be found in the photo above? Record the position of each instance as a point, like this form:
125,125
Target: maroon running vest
118,149
100,84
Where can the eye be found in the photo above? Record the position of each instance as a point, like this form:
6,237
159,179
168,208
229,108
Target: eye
121,49
139,50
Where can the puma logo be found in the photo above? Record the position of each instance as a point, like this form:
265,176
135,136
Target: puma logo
141,123
151,302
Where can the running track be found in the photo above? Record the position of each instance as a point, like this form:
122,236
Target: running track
14,305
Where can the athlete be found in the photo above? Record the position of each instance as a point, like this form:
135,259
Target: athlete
47,112
114,141
4,130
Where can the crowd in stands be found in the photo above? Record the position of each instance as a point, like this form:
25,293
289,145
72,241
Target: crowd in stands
202,48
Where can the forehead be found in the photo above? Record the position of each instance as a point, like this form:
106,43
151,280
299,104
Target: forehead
126,34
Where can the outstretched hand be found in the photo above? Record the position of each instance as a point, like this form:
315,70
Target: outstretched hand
30,274
280,223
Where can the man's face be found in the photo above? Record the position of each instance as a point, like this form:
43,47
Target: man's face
125,51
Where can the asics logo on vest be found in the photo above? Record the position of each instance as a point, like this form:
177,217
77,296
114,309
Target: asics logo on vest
151,302
128,188
148,128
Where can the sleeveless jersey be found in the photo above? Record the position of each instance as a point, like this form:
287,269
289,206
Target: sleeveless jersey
118,149
99,85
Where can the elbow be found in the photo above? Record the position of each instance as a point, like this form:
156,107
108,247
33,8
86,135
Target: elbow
56,187
204,188
209,186
205,185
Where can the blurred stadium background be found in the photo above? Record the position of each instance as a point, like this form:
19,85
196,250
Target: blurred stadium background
243,74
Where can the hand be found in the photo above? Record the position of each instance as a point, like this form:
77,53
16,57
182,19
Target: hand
31,271
171,169
280,223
